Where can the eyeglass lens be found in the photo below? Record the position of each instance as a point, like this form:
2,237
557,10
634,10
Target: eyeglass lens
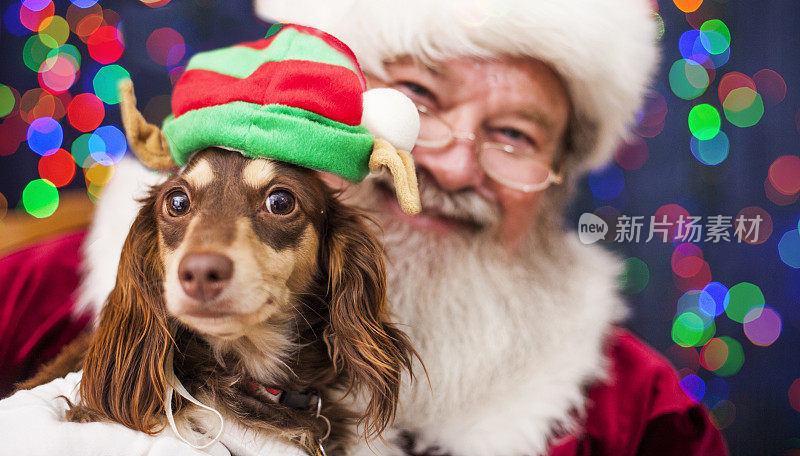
501,165
512,168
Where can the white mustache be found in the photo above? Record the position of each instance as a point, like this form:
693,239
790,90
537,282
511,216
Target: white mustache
462,205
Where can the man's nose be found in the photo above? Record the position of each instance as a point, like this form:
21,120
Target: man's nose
455,167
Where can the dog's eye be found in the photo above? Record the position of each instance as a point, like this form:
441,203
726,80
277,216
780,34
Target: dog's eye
177,203
280,202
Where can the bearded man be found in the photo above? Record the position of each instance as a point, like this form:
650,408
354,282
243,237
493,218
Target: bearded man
515,320
512,316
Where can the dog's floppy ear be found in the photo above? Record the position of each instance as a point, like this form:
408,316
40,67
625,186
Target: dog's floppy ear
123,375
371,350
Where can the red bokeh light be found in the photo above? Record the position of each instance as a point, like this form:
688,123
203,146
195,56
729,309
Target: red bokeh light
37,103
696,281
36,20
668,216
748,231
85,112
777,197
794,395
105,44
632,154
770,85
784,174
88,25
714,354
57,74
733,81
166,46
58,168
690,271
12,133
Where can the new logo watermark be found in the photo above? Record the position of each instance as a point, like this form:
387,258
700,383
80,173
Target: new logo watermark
633,229
591,228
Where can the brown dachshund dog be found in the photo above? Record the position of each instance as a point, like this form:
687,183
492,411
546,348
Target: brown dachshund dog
270,296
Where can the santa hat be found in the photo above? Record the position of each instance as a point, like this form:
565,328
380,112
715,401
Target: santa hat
297,96
605,51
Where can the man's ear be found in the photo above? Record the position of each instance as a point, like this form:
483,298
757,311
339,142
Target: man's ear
371,350
123,374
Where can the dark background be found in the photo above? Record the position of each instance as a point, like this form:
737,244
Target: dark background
753,405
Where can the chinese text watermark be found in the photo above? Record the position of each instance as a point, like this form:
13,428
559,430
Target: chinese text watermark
639,228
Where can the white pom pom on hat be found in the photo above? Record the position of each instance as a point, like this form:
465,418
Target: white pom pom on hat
389,114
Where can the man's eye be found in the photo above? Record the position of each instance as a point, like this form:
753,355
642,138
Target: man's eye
177,203
513,137
280,202
417,92
512,133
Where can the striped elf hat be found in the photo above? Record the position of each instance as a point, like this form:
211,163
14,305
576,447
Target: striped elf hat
297,96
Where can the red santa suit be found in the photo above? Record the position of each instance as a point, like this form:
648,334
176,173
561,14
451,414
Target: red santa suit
640,410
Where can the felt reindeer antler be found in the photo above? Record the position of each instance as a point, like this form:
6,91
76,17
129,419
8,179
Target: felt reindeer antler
147,141
401,166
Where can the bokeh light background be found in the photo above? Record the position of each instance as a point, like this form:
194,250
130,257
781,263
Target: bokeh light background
719,135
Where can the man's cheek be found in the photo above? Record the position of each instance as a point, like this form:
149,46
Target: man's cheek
520,211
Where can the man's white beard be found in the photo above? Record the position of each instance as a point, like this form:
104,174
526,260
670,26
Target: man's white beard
508,341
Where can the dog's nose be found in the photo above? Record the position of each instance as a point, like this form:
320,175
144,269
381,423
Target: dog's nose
204,275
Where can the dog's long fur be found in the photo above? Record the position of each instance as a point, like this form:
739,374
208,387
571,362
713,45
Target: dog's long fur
331,334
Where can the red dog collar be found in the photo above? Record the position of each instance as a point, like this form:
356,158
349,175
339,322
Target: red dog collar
298,400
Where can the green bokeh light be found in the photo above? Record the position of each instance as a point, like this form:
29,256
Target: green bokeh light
735,358
40,198
635,276
34,53
742,298
106,81
7,100
687,80
689,330
716,43
718,35
48,40
80,151
704,122
69,52
743,107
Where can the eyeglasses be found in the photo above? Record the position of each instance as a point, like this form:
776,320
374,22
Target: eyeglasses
513,166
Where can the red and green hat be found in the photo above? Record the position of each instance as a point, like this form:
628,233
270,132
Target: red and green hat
297,96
